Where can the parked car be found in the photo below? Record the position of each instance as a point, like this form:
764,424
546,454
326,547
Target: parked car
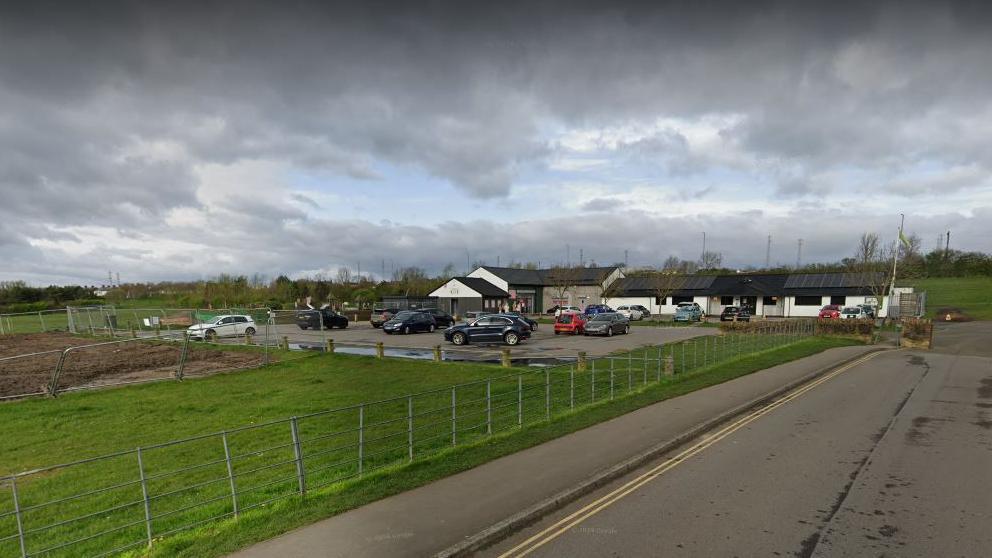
735,313
645,313
519,316
854,313
593,309
557,310
382,315
488,329
475,314
570,322
830,311
441,318
228,325
630,312
311,319
869,310
410,321
606,323
688,312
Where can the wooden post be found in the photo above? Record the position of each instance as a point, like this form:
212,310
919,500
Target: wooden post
380,350
505,358
247,339
669,368
330,346
134,334
285,342
437,353
581,362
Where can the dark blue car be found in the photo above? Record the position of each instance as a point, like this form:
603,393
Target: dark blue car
489,329
594,309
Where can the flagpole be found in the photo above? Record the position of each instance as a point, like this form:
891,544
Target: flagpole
895,258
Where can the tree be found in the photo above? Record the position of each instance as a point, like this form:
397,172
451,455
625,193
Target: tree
561,280
869,265
710,260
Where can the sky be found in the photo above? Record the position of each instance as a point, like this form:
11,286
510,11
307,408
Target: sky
176,141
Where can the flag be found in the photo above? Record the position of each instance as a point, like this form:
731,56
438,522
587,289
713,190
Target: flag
902,237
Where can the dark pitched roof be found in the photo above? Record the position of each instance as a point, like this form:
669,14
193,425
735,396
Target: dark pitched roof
755,284
749,285
688,285
481,286
541,277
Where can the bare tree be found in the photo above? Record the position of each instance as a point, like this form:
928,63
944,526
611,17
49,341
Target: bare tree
665,285
562,280
869,266
711,260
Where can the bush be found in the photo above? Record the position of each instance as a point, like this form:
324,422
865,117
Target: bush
758,326
918,329
19,307
845,327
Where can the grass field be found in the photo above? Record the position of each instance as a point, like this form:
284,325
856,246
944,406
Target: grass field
42,432
973,295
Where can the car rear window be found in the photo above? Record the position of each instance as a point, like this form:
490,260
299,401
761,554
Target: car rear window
565,319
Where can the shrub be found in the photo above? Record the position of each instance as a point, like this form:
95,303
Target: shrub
918,329
845,327
758,326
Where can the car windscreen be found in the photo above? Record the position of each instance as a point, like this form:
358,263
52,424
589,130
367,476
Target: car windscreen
730,309
565,319
850,310
403,315
601,318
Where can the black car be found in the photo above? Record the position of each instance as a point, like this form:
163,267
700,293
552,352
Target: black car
489,329
645,313
409,321
311,319
607,323
441,318
519,316
730,313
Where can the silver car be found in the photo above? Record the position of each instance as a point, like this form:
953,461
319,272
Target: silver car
607,323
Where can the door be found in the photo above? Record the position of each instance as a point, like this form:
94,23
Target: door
225,327
240,323
454,306
750,303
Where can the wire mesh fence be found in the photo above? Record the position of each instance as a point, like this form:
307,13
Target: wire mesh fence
111,503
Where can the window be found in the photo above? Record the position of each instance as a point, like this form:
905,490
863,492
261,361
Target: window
838,300
770,300
727,300
241,319
809,300
660,300
681,299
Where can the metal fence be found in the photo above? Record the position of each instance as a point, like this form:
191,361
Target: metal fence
108,504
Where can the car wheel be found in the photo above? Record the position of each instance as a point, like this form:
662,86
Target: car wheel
344,325
511,338
249,331
376,326
210,335
406,330
458,339
557,332
626,330
303,327
609,332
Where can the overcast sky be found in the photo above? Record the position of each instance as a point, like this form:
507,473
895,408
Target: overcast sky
163,142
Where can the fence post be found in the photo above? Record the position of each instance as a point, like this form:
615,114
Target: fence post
230,474
661,355
706,347
592,382
361,438
454,424
581,361
329,346
182,358
380,350
20,520
68,316
409,425
547,393
571,387
683,343
612,378
630,374
144,496
53,387
437,353
520,400
301,476
489,407
41,318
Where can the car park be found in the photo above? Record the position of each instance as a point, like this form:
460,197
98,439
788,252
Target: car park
570,322
441,318
830,312
410,321
735,314
228,325
688,312
324,318
854,313
593,309
606,323
630,312
489,329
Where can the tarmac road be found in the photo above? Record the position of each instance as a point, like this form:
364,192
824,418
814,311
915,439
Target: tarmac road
889,458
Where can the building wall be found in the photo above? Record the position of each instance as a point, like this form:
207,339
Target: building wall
794,311
580,296
667,309
483,273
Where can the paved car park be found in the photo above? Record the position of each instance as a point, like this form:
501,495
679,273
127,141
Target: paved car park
543,343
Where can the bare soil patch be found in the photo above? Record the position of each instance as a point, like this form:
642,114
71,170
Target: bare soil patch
104,364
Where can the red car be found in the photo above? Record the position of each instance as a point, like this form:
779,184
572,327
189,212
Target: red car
830,311
570,322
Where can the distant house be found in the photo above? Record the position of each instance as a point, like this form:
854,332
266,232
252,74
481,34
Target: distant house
462,294
536,290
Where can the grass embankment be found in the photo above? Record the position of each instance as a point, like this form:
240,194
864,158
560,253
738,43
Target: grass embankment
43,432
973,295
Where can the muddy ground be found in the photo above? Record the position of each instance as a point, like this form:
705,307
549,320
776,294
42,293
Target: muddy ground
104,364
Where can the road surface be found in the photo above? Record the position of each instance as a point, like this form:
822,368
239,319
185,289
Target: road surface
889,458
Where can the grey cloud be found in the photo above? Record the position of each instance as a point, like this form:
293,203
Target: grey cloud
603,204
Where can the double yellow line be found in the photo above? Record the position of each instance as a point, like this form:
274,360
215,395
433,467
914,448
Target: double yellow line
563,525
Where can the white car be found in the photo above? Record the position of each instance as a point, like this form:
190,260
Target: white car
223,326
854,313
630,312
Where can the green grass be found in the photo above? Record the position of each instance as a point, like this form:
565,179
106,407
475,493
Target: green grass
973,295
81,425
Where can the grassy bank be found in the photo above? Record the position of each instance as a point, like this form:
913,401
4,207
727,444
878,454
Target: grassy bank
973,295
221,538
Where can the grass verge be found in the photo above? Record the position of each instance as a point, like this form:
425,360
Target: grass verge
970,294
224,537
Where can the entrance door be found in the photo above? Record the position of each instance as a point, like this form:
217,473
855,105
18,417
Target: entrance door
454,307
749,302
